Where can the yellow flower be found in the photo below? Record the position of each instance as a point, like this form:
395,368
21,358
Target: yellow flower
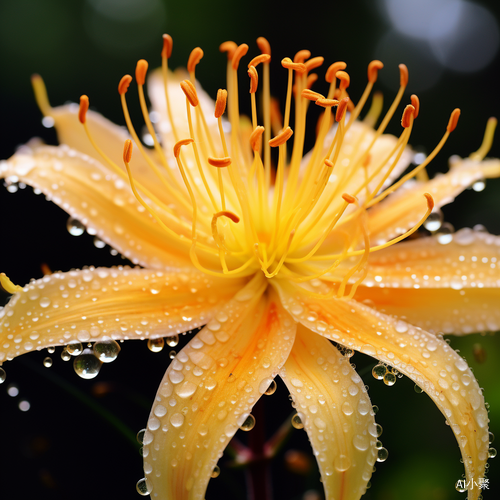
273,268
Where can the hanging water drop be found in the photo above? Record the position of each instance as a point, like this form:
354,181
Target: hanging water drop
492,453
172,355
107,350
491,436
75,227
297,422
379,371
445,234
248,424
418,389
98,243
460,486
65,355
75,348
47,362
379,430
87,365
3,375
382,454
173,341
216,471
140,436
144,487
434,221
156,345
271,389
389,379
50,350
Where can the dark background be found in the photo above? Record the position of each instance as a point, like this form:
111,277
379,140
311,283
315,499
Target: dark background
67,447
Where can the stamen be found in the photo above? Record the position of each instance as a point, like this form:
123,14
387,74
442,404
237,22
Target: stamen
240,51
345,80
375,110
220,103
41,96
281,138
301,56
256,138
194,58
327,103
416,104
228,47
219,162
331,78
140,71
168,44
265,48
220,241
408,114
403,75
341,109
8,286
289,64
124,84
373,68
165,56
254,79
261,58
263,45
489,133
313,63
190,92
312,95
452,124
84,107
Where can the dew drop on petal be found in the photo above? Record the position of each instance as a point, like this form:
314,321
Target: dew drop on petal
389,379
51,350
98,243
342,462
144,487
379,371
47,362
140,436
75,348
87,365
172,354
248,424
297,422
215,472
75,227
418,389
107,350
445,234
3,375
382,454
156,345
65,355
434,221
492,453
271,389
172,341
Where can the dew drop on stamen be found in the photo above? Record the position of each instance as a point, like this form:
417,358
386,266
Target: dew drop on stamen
172,341
156,345
144,487
215,472
75,227
86,365
297,422
47,362
107,350
248,424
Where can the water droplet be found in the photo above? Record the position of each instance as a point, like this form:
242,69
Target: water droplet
342,462
24,405
87,365
492,453
216,471
156,345
445,234
47,362
172,354
248,424
173,341
75,227
98,243
379,371
389,379
144,487
51,350
375,409
379,430
297,422
107,350
434,221
418,389
75,348
140,436
65,355
382,454
177,419
491,436
3,375
378,444
271,389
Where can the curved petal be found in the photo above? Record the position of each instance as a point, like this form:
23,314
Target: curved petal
120,303
452,288
428,360
210,389
403,209
101,200
332,402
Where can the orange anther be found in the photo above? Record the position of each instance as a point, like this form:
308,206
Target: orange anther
168,44
255,138
310,80
328,163
407,114
430,201
261,58
228,47
140,71
254,79
263,45
190,92
452,124
228,214
219,162
367,160
403,75
281,138
301,56
220,103
341,109
373,68
311,95
124,84
344,78
349,198
327,103
288,64
127,151
178,146
239,52
194,58
84,106
313,63
416,104
332,70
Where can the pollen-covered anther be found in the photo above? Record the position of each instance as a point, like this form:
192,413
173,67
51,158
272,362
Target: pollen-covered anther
261,58
124,84
311,95
219,162
327,103
220,103
333,69
452,124
228,214
301,56
140,71
264,45
349,198
407,114
178,145
7,284
342,109
190,92
430,201
228,47
239,52
255,138
127,151
168,44
84,107
328,163
254,79
344,78
194,58
403,75
281,138
313,63
415,101
289,64
373,68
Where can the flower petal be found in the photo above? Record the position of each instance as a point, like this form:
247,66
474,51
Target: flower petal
452,288
428,360
118,303
330,398
100,200
210,388
403,209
